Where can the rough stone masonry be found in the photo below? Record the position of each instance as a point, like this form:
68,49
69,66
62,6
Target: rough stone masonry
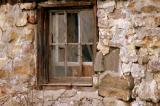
17,50
132,26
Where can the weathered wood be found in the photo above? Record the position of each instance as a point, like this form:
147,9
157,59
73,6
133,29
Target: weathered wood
42,47
39,47
46,52
87,70
12,2
66,4
96,35
71,81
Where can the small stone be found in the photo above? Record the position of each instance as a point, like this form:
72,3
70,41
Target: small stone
5,67
14,51
14,36
157,44
120,23
95,80
117,14
128,54
107,5
138,21
157,21
103,49
22,19
143,56
27,48
137,71
103,23
106,42
156,1
105,33
130,32
147,91
154,65
126,68
150,9
156,76
32,18
29,32
142,103
27,6
3,63
23,70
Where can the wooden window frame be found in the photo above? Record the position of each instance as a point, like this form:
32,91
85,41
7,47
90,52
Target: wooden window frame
43,35
19,1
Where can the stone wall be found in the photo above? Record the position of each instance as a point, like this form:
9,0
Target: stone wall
17,48
133,26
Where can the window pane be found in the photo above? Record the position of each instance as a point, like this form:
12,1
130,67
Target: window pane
72,53
87,53
59,71
74,71
72,28
87,70
61,27
87,30
58,27
60,53
52,27
56,67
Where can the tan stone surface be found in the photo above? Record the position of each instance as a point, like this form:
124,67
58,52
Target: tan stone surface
21,20
112,85
27,6
108,101
113,79
150,8
115,93
147,91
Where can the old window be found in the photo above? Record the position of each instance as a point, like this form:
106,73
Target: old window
66,45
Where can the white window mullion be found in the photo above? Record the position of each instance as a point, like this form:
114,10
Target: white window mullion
56,37
66,33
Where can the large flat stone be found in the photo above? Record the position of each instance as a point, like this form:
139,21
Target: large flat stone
111,60
115,93
113,79
112,85
114,102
